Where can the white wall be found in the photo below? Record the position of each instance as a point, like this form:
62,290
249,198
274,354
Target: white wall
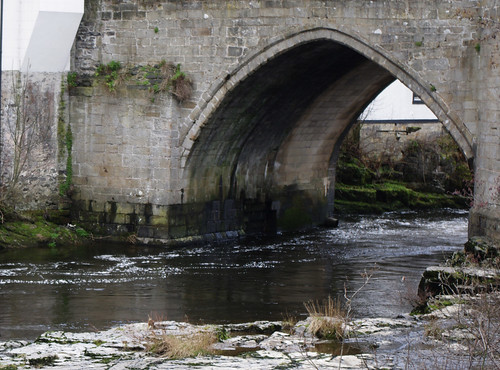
38,34
395,103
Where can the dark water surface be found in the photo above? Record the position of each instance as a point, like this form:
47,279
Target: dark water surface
86,288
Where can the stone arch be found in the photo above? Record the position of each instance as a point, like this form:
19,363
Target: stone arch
211,100
282,155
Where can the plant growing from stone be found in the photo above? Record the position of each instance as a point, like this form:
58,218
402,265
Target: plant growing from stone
181,85
158,78
110,73
332,319
72,79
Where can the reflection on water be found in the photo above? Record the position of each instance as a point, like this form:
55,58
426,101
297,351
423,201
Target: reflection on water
82,288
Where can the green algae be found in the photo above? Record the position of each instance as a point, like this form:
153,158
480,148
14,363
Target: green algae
296,216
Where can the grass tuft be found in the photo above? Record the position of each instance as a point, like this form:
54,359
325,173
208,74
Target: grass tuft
177,347
328,319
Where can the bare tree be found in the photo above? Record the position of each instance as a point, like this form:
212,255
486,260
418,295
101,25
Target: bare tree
25,130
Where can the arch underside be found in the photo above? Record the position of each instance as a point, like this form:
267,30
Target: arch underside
274,137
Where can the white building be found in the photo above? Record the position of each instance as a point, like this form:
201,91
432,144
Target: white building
393,119
397,104
38,34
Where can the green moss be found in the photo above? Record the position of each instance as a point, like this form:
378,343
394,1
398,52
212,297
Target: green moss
355,193
65,186
353,172
61,129
295,217
388,196
35,230
65,144
72,79
422,309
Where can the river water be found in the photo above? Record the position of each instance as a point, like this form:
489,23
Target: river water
96,287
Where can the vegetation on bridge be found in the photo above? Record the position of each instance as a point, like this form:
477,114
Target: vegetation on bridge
157,78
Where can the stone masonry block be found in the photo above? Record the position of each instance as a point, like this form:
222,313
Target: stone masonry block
125,208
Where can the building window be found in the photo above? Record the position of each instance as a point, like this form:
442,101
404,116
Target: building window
416,99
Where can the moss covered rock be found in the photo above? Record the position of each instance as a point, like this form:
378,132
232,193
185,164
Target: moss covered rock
353,173
389,196
39,229
481,249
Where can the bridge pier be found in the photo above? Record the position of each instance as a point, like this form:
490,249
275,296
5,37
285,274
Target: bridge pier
485,222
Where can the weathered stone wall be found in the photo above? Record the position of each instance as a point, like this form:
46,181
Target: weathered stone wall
485,214
381,142
33,151
135,159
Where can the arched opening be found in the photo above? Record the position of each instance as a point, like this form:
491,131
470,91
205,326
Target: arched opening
266,146
398,155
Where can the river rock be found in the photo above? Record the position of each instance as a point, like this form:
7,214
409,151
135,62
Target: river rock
481,249
475,269
372,343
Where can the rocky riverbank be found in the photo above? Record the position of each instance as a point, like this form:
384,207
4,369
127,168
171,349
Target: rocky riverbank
434,340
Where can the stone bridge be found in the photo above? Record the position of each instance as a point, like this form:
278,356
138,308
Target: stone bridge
276,86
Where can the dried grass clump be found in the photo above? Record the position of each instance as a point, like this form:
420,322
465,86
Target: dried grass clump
182,88
327,320
169,77
176,347
288,321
